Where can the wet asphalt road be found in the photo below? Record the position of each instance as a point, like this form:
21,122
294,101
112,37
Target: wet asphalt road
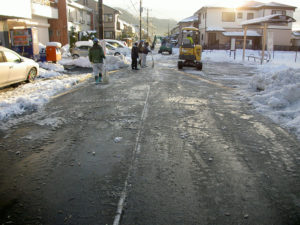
164,147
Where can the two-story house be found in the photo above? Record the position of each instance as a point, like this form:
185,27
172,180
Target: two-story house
32,13
112,26
218,25
71,15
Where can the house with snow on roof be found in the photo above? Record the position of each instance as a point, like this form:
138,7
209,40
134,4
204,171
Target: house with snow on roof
219,24
191,21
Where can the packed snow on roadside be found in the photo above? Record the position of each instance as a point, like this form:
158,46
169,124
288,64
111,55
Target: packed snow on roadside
51,81
274,89
32,96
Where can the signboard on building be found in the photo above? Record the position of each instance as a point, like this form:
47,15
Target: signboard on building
20,37
25,42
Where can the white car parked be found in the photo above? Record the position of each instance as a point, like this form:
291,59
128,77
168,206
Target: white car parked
15,68
119,44
82,49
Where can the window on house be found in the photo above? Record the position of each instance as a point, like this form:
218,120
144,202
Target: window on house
202,37
240,15
228,16
200,18
250,16
108,34
86,2
281,12
108,18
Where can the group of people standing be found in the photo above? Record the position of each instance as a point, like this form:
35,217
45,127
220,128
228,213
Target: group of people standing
139,51
96,56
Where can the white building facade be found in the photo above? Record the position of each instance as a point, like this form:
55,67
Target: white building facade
218,25
26,14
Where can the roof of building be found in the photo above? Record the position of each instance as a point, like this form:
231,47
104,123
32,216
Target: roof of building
275,4
253,5
189,19
275,18
296,33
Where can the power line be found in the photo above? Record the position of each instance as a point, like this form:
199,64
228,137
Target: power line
134,7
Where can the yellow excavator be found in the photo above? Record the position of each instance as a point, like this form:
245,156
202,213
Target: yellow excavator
190,50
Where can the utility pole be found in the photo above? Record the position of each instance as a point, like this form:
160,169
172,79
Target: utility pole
147,24
141,9
100,19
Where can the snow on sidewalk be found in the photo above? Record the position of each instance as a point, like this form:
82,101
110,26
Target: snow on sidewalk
32,96
274,90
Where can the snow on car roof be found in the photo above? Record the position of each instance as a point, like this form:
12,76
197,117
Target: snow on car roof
84,43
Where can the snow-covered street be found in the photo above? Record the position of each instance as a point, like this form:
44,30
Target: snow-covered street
273,89
189,141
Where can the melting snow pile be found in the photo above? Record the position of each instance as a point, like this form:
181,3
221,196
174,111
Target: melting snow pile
112,62
277,95
30,97
48,70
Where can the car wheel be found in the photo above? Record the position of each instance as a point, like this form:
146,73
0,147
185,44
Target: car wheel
75,56
31,75
117,54
170,52
199,66
180,65
159,52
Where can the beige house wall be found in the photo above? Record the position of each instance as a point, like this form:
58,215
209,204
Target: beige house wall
281,37
211,18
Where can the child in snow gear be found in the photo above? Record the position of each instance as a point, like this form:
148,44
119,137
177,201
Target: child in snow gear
96,56
134,56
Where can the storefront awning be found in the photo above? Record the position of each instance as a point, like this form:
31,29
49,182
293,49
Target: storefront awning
250,33
215,29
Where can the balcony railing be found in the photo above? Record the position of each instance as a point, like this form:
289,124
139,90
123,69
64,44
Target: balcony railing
51,3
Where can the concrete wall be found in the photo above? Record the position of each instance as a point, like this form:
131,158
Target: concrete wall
16,8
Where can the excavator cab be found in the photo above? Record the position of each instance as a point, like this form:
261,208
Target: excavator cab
190,50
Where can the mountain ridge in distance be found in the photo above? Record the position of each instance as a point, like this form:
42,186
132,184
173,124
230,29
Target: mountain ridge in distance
161,25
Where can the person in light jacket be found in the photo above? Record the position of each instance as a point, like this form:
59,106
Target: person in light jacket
141,49
144,55
96,56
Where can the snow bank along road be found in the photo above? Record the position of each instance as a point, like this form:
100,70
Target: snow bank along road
175,147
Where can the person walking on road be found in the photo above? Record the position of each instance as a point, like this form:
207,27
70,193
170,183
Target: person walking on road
134,56
141,49
146,50
96,56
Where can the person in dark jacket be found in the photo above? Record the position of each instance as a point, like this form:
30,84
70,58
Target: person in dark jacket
134,56
96,56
